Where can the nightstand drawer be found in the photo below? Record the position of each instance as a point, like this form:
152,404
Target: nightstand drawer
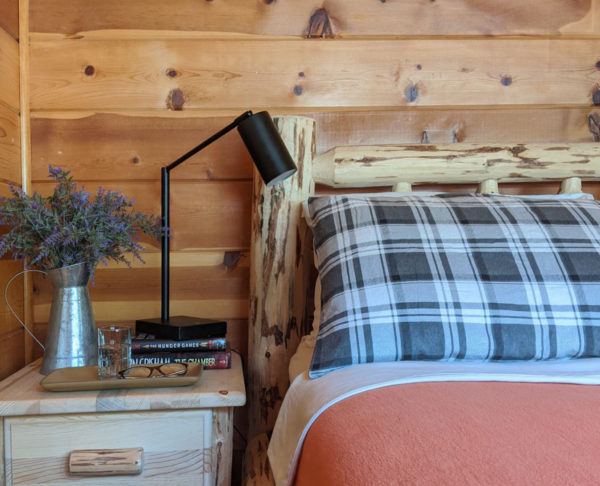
177,447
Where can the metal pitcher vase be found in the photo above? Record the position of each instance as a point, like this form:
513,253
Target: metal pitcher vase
71,339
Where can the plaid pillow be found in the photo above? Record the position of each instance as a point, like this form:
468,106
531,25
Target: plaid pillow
455,277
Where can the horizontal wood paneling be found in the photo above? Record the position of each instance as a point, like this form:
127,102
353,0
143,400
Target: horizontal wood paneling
187,258
137,309
113,147
12,352
122,147
12,341
203,283
10,145
442,125
143,283
9,17
210,74
8,323
203,215
9,70
345,17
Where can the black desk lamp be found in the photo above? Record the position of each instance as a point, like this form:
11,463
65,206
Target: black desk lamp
272,160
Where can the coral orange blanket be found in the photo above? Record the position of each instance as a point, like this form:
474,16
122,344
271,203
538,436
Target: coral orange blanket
463,433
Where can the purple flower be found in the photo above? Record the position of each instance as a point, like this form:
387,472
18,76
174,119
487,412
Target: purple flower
70,227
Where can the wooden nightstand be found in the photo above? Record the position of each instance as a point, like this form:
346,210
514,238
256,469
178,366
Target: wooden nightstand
186,432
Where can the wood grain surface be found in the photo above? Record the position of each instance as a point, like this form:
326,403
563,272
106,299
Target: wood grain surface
256,463
9,17
212,215
106,462
122,147
143,283
9,69
222,445
21,395
174,443
280,297
12,352
217,289
9,268
182,445
12,340
333,17
10,145
459,163
178,74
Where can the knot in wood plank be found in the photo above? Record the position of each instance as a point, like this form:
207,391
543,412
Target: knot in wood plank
596,96
319,24
231,259
175,100
411,93
594,126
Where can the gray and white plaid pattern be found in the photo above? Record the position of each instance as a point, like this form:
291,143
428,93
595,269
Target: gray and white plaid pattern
455,277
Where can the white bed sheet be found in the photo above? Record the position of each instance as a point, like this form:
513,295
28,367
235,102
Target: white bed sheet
306,399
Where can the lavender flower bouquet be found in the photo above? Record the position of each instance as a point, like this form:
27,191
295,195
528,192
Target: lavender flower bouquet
70,226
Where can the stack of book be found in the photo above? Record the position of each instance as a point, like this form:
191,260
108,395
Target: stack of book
204,342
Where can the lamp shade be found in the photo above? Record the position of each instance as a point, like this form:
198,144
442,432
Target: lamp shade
266,148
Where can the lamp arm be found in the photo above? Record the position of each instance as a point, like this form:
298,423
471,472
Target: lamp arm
165,184
209,140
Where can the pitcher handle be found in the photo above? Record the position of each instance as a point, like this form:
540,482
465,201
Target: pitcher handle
12,310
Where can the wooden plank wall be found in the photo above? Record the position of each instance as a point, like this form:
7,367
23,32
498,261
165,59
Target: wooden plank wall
119,89
12,340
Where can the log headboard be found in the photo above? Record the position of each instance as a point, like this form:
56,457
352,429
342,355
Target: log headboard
282,271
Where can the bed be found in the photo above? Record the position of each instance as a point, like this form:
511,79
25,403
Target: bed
517,415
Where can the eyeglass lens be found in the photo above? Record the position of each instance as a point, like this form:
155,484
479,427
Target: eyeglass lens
169,369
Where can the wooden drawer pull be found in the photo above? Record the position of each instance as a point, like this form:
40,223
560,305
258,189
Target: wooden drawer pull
106,462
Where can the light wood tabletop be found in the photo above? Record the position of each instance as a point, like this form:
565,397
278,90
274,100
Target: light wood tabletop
22,394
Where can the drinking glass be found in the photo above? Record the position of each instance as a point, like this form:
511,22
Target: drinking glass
114,351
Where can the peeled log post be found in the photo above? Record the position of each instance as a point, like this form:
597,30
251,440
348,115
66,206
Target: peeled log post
280,294
257,471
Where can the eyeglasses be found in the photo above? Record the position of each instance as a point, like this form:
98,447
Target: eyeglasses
164,370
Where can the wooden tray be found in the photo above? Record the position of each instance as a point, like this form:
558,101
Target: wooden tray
86,378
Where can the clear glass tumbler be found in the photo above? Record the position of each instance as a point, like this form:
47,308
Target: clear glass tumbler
114,351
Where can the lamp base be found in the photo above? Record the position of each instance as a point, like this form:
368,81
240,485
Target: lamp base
180,328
